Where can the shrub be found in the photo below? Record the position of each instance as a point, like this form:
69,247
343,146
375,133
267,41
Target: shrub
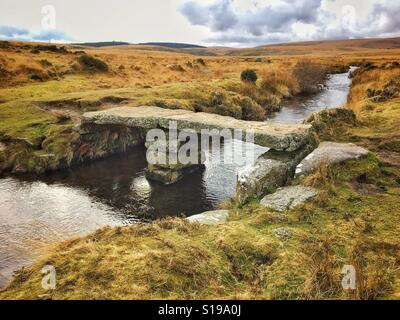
270,102
5,44
176,67
92,64
279,82
50,48
249,75
251,110
222,104
3,72
309,76
36,77
200,61
45,63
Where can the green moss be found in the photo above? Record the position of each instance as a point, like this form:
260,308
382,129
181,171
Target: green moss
23,120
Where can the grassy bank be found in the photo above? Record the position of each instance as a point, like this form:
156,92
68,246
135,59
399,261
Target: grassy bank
352,222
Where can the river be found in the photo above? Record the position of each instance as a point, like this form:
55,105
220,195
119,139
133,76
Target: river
35,211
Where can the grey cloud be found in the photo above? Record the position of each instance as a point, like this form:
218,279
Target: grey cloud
275,23
372,26
390,11
281,17
218,16
233,40
222,16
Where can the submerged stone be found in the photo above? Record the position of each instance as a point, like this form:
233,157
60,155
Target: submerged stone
168,176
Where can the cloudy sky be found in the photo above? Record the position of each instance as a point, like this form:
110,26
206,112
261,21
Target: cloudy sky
239,23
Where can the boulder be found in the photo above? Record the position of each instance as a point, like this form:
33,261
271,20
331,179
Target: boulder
330,153
169,176
210,217
272,170
288,198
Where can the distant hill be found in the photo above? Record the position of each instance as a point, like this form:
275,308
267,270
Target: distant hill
173,45
328,47
386,43
102,44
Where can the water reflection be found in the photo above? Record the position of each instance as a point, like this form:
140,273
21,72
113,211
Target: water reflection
109,192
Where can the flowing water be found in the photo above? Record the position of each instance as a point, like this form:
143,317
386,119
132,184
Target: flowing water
38,210
334,95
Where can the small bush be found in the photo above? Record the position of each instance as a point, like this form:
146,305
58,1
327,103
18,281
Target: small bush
3,72
251,110
49,48
270,102
309,75
249,75
176,67
220,103
200,61
45,63
92,64
5,44
279,82
36,77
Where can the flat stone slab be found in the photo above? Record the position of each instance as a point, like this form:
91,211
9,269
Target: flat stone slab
210,217
330,153
288,198
281,137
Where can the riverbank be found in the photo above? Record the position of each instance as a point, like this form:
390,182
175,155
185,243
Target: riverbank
352,222
114,191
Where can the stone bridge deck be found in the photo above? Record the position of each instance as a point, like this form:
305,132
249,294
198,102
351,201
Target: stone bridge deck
280,137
